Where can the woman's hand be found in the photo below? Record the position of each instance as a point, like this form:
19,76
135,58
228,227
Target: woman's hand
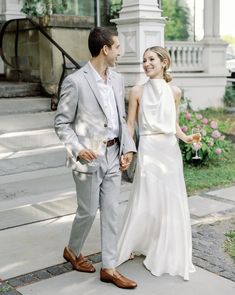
188,139
125,161
192,138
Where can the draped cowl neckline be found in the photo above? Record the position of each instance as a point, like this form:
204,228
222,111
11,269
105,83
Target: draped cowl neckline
157,108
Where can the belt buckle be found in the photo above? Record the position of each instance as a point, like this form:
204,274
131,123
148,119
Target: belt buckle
111,142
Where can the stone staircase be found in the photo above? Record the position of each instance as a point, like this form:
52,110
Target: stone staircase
35,185
31,156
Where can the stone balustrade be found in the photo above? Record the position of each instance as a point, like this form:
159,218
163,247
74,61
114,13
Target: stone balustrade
185,56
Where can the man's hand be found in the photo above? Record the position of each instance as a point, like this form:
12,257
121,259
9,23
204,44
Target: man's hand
125,161
87,155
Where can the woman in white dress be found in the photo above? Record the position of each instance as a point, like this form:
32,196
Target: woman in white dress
157,221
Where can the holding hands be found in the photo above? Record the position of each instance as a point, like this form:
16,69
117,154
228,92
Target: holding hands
125,161
89,156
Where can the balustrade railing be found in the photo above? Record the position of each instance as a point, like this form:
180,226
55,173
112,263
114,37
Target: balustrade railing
185,56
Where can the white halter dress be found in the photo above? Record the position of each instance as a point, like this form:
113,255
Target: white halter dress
157,221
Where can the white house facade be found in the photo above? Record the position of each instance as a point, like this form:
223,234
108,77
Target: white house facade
199,68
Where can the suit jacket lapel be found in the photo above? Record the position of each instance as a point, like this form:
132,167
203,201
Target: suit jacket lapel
92,82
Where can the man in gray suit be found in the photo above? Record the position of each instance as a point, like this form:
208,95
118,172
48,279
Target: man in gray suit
90,121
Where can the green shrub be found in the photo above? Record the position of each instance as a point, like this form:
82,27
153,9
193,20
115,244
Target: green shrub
229,96
213,146
36,8
41,8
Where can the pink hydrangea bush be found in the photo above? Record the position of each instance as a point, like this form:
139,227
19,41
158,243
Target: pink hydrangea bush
213,147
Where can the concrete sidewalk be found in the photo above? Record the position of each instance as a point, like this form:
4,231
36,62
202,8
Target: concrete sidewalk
31,252
202,283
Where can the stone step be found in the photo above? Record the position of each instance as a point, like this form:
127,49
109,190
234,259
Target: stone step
47,205
24,122
30,188
31,160
39,195
27,140
19,89
39,245
24,105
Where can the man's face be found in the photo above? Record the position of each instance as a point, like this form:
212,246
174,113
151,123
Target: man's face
113,52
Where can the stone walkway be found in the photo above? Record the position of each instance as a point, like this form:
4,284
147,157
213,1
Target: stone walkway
208,246
212,215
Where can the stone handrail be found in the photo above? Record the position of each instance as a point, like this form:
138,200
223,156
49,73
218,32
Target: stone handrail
185,56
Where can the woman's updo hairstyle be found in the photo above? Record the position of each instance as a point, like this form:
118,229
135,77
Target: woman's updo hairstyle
162,54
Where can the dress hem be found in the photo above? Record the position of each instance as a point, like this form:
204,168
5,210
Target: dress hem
185,278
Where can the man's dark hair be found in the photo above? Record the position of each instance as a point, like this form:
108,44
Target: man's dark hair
98,37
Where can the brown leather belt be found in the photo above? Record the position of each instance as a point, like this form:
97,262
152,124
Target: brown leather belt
112,141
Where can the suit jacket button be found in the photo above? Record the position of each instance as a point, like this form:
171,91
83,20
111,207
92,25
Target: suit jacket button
105,125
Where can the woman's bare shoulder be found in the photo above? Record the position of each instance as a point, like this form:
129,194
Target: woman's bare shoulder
136,91
177,92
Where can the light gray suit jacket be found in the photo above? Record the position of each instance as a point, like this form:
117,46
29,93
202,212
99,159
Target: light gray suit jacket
81,110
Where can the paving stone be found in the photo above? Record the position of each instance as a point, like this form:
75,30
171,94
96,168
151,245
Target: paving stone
208,247
56,270
225,193
228,275
201,206
42,274
11,292
28,279
68,266
213,268
96,258
15,282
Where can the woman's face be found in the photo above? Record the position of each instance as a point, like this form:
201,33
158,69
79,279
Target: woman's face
152,65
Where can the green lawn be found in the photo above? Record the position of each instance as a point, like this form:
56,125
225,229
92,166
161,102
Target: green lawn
204,178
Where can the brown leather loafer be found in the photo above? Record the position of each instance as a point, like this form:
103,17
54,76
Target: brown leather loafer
117,279
79,263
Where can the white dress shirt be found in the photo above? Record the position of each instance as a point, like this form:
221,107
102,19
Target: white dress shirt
109,101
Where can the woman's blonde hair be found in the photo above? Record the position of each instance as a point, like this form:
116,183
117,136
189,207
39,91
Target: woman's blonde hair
162,54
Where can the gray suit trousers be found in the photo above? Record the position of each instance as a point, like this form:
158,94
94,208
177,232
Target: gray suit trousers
98,189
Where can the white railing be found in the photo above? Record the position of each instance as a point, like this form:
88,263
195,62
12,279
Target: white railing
185,56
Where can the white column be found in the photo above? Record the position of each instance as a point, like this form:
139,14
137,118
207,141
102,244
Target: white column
216,26
215,47
10,9
140,25
211,18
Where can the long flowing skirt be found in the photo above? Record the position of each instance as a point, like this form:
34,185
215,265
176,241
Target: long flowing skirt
157,220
